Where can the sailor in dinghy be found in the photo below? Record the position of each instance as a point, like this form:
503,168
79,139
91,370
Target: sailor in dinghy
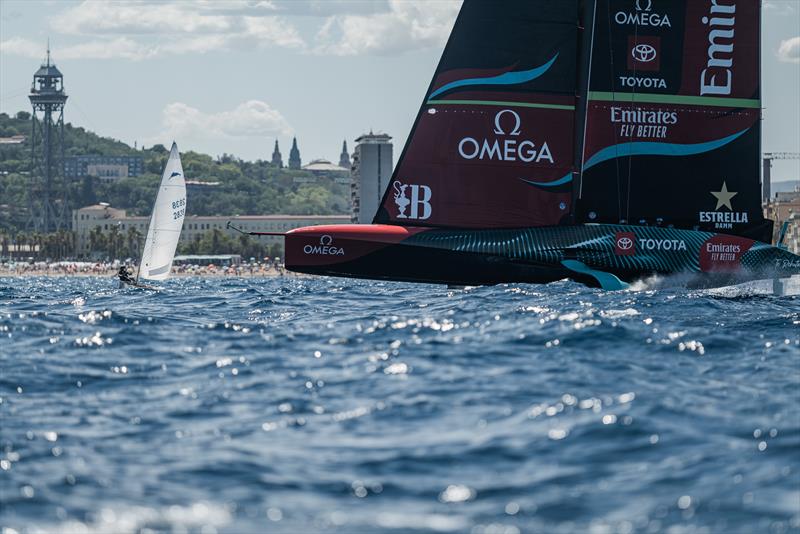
125,276
166,223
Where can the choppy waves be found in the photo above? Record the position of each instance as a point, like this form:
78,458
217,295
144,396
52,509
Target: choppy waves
288,405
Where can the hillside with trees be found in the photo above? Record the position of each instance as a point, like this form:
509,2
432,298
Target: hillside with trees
245,187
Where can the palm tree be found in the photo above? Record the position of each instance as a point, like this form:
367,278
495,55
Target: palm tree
97,240
115,241
133,242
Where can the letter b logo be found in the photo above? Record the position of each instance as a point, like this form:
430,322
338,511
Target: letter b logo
420,202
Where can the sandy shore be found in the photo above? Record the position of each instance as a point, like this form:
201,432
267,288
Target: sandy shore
12,274
112,272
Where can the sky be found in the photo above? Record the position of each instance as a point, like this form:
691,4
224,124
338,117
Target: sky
231,76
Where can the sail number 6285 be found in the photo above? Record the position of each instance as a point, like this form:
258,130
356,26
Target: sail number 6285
178,209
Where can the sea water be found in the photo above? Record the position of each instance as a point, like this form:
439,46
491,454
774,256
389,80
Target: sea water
321,404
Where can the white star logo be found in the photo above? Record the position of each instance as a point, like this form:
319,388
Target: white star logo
724,197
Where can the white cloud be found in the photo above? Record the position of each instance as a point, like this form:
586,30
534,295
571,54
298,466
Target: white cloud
326,8
271,30
143,29
789,50
18,46
129,29
119,47
190,126
105,17
113,48
408,24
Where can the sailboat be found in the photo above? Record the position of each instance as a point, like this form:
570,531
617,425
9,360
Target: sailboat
598,140
166,223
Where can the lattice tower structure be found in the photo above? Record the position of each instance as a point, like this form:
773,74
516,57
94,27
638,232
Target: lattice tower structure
47,188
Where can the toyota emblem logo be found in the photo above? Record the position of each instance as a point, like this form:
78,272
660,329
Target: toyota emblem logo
325,240
624,243
643,53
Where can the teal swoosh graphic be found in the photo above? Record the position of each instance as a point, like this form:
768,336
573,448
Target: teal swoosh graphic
642,148
508,78
607,281
561,181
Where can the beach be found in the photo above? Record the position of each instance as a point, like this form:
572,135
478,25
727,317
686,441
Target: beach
84,268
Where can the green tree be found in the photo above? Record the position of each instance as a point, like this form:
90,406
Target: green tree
87,195
135,242
97,241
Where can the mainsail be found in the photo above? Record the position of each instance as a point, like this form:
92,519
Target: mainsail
166,221
493,143
673,119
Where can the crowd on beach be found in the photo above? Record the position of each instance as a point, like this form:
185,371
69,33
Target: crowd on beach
110,268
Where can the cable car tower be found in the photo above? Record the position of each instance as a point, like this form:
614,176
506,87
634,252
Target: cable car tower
47,187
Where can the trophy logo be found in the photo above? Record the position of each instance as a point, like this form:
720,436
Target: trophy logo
419,202
401,199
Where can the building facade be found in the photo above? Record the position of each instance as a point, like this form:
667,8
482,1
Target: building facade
371,171
105,217
322,168
103,167
785,206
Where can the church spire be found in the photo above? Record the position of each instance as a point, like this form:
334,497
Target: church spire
277,159
294,155
344,158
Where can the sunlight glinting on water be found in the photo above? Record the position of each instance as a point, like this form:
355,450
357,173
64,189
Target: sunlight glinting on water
225,405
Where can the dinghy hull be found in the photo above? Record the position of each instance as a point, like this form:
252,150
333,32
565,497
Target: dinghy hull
607,256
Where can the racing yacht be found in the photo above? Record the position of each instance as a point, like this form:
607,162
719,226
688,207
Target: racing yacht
598,140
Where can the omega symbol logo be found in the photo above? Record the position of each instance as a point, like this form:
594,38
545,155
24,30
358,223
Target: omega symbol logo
625,243
325,248
648,3
504,146
498,129
643,53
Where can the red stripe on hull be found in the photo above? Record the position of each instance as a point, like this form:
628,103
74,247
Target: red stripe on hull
341,243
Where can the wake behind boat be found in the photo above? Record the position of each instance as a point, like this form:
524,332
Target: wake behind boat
603,141
164,229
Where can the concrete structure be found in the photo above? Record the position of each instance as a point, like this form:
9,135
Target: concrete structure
370,174
277,158
105,217
323,168
786,207
107,168
766,175
294,156
13,140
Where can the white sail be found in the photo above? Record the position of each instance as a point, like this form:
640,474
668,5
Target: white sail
166,221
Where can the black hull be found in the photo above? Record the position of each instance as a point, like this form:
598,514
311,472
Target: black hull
607,256
407,263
